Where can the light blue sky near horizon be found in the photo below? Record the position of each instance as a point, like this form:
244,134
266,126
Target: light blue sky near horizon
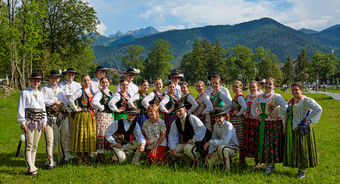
125,15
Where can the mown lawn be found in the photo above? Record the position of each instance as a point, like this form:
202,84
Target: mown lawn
12,169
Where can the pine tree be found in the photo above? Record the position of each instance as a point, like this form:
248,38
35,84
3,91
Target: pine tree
157,64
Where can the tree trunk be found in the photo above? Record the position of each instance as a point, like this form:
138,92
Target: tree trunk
0,9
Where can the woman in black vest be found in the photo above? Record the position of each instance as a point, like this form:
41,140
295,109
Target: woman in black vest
167,106
187,99
136,102
118,103
105,116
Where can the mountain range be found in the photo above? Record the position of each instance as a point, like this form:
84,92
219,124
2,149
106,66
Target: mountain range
265,32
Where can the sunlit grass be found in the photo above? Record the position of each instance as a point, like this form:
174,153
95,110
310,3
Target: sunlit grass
12,169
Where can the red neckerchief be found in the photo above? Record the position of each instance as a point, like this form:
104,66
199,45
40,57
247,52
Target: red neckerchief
253,97
265,97
139,91
199,96
213,95
293,101
126,97
173,97
184,96
240,94
156,92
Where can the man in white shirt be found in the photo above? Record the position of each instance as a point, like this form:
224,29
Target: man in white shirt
186,131
69,86
130,75
223,144
100,73
55,100
175,76
209,90
32,117
119,134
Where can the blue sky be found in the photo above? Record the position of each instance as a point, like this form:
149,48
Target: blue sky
125,15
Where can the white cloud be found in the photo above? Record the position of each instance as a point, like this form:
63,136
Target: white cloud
314,14
101,28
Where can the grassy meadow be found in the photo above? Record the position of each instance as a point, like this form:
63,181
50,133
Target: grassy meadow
12,169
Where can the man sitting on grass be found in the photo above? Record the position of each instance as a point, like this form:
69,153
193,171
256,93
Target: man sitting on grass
223,144
186,132
121,133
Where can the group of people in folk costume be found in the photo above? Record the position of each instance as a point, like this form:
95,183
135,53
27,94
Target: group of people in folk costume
92,119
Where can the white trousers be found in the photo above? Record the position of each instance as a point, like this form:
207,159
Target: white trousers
186,152
51,138
222,155
66,136
31,145
120,153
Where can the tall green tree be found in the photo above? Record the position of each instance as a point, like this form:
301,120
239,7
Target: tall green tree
193,63
267,64
323,66
134,59
44,35
158,62
288,70
243,59
301,64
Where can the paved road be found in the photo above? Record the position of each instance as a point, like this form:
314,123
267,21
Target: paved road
336,96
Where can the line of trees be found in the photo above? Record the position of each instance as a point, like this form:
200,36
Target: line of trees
239,62
39,35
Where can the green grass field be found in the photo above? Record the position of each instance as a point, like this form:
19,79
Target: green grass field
12,169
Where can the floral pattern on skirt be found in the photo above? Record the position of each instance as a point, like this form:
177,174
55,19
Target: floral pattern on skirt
104,120
273,142
84,133
141,118
169,118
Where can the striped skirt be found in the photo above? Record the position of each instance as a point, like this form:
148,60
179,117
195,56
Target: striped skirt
303,154
250,138
238,122
84,133
273,142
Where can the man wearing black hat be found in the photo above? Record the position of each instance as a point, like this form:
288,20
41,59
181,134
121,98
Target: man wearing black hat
209,90
100,73
130,75
186,132
120,134
223,144
55,100
32,116
175,76
69,86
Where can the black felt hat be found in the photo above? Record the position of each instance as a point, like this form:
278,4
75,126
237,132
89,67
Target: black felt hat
101,68
179,105
260,80
214,75
55,73
70,70
132,71
176,73
36,75
219,112
131,110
